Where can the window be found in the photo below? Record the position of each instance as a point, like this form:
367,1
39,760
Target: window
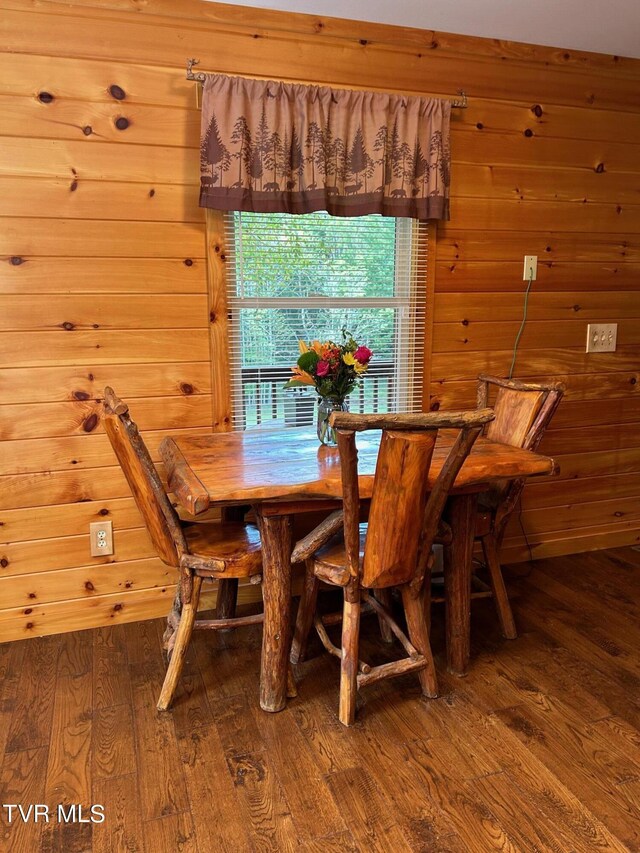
305,277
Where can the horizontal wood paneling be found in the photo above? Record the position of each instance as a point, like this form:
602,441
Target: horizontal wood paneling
102,121
103,311
102,281
304,25
73,519
61,487
476,245
500,276
554,493
499,307
77,452
604,437
515,148
481,214
85,582
85,199
102,239
53,384
57,617
74,614
622,405
288,55
101,161
79,347
455,337
91,81
515,550
572,364
37,274
19,525
549,120
101,231
599,463
524,182
65,419
572,516
48,555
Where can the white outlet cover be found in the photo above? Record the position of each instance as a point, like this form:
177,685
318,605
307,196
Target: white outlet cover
101,538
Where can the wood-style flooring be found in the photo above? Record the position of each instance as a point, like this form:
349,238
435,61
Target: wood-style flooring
538,749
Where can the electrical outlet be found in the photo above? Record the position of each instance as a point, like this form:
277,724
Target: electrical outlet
530,268
602,337
101,538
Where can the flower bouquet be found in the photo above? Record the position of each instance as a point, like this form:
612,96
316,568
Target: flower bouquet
334,370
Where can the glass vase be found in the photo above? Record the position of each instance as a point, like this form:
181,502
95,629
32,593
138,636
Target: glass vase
326,434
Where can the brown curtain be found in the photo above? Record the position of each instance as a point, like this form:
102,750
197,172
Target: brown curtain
274,147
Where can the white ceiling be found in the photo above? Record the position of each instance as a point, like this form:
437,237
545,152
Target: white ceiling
603,26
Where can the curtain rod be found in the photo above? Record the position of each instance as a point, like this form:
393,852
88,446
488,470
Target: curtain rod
201,76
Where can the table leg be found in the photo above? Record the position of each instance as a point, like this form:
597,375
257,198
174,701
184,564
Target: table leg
457,581
228,587
275,531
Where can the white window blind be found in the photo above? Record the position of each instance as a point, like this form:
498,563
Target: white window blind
306,277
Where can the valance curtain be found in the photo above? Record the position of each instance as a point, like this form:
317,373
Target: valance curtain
274,147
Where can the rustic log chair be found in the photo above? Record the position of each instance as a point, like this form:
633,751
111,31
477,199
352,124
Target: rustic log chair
226,551
394,548
523,411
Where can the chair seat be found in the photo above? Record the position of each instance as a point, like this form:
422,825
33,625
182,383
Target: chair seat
238,545
330,561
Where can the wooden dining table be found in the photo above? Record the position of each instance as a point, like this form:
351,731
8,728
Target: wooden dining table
281,473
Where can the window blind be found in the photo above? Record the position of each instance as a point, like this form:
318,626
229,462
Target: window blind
306,277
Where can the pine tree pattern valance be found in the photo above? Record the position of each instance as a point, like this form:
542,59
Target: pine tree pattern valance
273,147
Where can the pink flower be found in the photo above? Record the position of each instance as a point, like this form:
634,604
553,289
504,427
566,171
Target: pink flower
322,368
363,355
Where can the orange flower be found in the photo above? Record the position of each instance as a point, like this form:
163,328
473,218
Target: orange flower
302,376
329,352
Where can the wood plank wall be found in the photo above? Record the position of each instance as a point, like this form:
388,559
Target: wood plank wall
103,265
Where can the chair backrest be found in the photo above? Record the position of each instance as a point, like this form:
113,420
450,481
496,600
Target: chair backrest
151,499
523,409
404,515
523,412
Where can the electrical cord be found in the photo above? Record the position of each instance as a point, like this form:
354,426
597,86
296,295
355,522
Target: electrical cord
522,325
480,564
513,364
528,571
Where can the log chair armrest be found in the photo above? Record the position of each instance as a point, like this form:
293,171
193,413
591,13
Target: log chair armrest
181,479
318,537
348,421
196,563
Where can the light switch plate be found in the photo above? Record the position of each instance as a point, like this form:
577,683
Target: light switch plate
101,538
601,337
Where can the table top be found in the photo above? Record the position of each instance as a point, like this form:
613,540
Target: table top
289,464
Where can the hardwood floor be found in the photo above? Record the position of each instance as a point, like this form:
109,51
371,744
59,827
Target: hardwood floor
538,749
